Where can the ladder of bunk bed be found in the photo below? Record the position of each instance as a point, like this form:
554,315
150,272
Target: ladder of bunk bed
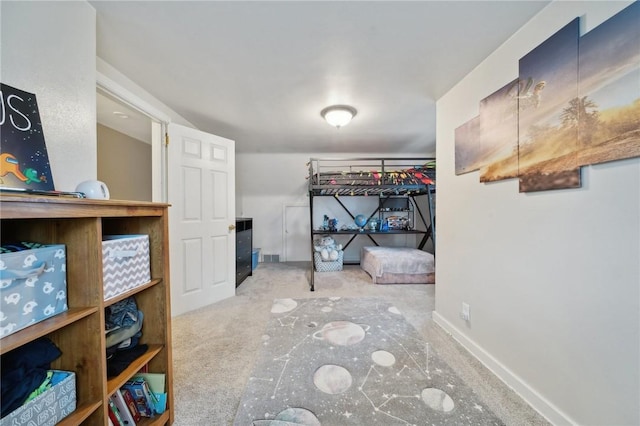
311,283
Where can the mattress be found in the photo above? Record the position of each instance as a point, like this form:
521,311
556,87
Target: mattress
398,265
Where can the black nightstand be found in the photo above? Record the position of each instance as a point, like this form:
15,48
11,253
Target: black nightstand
244,248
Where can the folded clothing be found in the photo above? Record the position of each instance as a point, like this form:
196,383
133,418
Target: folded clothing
121,314
24,369
21,246
53,378
120,360
121,334
123,323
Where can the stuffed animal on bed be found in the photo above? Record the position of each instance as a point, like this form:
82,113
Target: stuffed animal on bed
327,247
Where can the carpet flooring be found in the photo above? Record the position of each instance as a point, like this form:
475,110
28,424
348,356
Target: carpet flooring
352,361
216,348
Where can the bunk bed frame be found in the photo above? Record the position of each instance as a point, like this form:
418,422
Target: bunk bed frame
381,177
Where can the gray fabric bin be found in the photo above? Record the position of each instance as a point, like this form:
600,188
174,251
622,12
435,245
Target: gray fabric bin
125,263
48,408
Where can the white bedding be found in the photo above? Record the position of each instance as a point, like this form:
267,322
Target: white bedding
394,265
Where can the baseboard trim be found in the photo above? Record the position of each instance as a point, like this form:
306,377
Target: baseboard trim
533,398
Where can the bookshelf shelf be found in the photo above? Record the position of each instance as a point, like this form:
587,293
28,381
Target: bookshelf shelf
81,414
45,327
155,421
117,382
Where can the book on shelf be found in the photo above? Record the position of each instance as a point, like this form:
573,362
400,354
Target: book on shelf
156,382
123,409
114,414
143,401
131,404
151,397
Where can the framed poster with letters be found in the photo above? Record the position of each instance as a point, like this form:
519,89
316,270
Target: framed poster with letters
24,163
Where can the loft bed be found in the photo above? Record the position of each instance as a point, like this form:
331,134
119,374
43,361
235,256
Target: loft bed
381,177
372,176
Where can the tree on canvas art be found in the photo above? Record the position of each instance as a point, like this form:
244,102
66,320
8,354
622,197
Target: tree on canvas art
547,142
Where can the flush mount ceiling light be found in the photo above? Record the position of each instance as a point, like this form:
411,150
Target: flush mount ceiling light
338,115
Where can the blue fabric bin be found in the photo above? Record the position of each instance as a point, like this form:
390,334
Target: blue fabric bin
255,258
33,286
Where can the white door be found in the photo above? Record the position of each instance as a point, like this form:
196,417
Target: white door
201,191
297,233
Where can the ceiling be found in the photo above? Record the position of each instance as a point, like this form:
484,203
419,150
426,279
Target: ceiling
260,72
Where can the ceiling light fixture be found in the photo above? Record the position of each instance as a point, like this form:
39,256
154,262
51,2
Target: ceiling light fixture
120,114
338,115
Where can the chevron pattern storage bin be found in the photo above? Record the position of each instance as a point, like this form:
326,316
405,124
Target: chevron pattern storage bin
125,263
328,266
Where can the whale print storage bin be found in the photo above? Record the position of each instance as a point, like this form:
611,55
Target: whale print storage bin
33,286
125,263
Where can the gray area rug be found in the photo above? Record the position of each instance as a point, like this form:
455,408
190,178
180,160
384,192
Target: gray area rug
352,361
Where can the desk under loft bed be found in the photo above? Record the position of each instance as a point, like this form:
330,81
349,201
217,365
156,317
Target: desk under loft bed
385,178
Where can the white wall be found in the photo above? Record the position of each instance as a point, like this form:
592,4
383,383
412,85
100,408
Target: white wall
552,278
264,182
124,165
267,182
49,48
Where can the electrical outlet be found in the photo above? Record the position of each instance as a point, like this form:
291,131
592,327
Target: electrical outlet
464,314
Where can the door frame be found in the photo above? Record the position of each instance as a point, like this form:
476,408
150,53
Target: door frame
159,143
159,122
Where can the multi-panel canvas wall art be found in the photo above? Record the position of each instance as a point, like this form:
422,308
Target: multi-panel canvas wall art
467,147
547,144
499,133
578,103
607,110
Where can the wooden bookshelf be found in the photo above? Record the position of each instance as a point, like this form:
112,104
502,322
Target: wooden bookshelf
79,332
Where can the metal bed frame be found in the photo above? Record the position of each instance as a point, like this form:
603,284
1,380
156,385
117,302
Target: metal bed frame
372,177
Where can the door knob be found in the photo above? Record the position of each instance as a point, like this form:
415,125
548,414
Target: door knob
232,227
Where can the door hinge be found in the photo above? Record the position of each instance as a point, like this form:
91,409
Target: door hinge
166,139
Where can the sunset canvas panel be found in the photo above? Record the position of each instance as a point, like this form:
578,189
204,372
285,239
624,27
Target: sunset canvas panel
499,134
467,146
607,110
547,145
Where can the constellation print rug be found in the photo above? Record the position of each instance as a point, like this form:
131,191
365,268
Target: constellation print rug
352,361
